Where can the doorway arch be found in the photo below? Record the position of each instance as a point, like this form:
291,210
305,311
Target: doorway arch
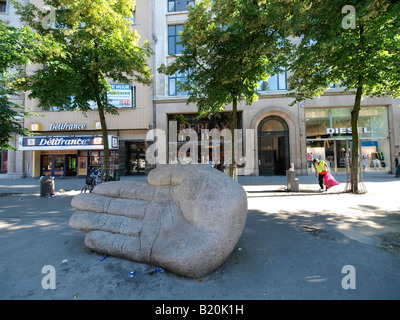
273,146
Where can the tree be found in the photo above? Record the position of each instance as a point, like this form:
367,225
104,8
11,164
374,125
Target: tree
353,43
98,44
228,47
15,47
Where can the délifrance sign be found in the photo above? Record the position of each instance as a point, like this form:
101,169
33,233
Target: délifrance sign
66,126
66,143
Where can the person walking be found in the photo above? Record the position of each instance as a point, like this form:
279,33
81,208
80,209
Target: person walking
396,163
321,169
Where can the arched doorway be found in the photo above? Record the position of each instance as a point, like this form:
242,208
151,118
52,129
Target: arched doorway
273,146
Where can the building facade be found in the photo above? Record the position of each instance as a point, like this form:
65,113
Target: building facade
70,144
282,134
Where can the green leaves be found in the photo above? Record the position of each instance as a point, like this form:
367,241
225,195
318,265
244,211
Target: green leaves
16,48
339,55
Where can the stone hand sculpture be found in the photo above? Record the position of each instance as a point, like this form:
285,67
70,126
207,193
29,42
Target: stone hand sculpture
187,218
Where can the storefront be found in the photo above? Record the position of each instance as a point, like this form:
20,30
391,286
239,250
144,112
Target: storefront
197,124
273,146
70,155
329,137
136,157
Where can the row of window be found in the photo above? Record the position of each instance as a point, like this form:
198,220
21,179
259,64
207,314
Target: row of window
274,82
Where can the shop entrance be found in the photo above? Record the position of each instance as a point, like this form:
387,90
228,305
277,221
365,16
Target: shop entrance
273,146
58,165
3,161
136,157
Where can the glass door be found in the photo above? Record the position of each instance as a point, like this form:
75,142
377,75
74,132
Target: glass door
53,165
47,166
273,146
136,158
71,165
267,156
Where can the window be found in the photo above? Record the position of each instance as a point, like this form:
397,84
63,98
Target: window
275,82
335,85
173,38
3,6
51,109
179,5
174,86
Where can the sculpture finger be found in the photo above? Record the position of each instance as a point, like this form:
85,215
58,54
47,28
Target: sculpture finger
90,221
169,175
133,208
115,244
126,190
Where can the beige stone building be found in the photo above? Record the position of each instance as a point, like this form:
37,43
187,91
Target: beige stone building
68,143
282,135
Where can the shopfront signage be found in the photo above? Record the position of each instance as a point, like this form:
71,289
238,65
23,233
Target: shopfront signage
35,127
346,130
120,96
67,143
66,126
204,126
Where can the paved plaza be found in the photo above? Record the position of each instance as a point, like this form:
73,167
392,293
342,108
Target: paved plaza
294,246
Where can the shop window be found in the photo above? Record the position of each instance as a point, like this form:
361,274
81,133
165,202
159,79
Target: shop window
174,38
179,5
192,121
3,163
329,137
96,161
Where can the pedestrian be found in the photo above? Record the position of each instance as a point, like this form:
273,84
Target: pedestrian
321,169
396,163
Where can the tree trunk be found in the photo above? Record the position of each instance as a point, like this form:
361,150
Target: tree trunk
355,152
232,167
104,130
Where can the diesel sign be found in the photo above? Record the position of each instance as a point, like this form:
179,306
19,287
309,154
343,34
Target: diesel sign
346,130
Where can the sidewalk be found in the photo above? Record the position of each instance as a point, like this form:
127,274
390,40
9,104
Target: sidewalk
294,246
